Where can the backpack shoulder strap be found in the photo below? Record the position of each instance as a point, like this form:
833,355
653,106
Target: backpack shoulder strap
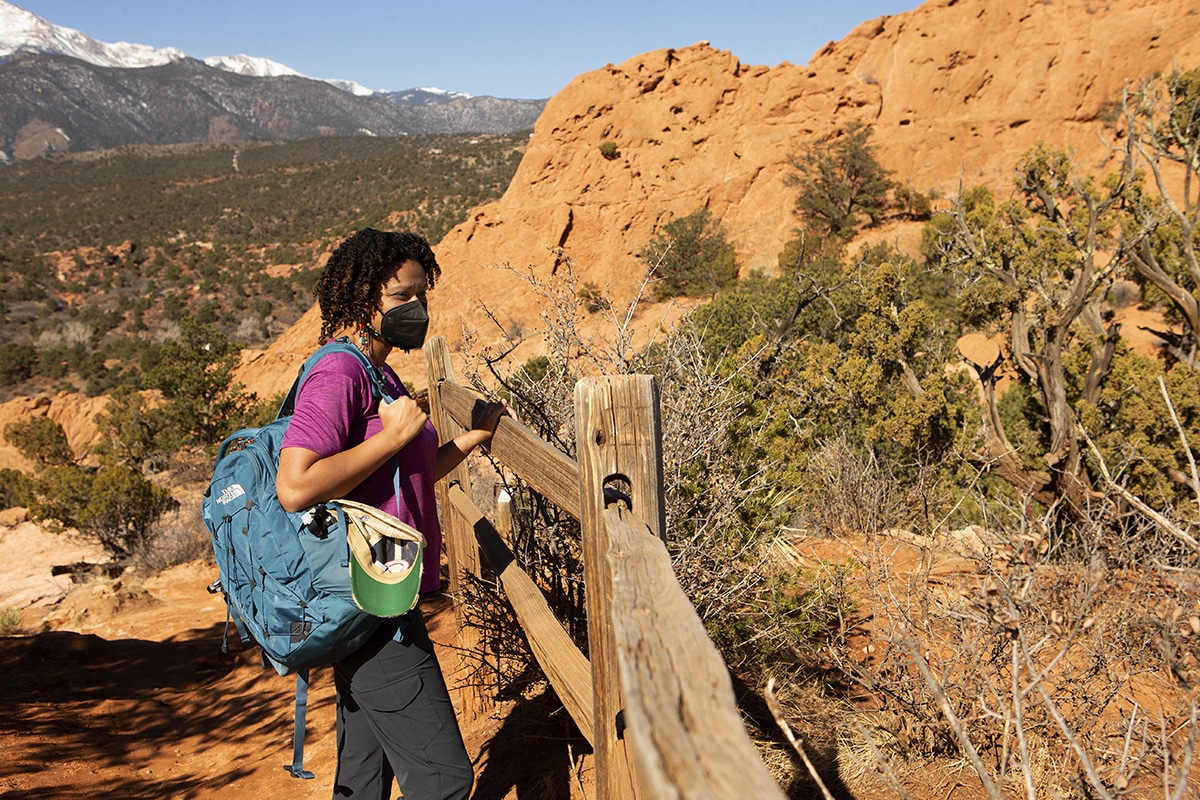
340,345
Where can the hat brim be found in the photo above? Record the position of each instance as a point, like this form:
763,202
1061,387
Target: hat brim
376,590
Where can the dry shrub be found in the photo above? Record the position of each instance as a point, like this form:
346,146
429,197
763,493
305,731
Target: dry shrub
544,539
723,514
721,526
1051,661
854,493
501,665
1047,666
10,621
176,538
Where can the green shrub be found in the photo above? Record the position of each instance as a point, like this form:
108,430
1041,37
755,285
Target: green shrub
14,488
115,505
593,298
608,149
16,362
691,257
41,440
912,204
123,509
195,375
133,432
840,182
755,307
59,495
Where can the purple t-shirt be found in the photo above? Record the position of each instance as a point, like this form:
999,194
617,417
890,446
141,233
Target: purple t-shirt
335,411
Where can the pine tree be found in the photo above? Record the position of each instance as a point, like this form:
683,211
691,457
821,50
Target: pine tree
840,183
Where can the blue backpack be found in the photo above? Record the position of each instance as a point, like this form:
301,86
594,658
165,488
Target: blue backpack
284,575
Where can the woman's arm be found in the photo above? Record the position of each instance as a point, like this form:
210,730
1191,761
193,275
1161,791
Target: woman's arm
305,478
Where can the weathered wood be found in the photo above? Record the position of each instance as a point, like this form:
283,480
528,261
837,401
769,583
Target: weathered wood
624,439
659,706
681,716
462,553
550,472
617,434
565,666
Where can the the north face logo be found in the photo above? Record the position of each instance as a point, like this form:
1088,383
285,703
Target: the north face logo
230,493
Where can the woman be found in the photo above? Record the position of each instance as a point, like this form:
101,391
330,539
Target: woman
394,717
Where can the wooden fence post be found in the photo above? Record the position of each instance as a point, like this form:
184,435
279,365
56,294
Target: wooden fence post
462,551
618,435
684,728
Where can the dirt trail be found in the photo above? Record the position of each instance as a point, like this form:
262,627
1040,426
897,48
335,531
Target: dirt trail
126,694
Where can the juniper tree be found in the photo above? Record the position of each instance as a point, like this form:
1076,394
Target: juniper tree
1035,271
691,257
1162,121
841,182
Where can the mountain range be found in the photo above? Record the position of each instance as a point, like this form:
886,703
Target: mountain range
63,91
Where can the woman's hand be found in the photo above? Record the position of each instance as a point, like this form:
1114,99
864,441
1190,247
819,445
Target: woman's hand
451,454
488,417
402,420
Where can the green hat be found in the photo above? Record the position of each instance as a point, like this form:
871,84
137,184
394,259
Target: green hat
385,560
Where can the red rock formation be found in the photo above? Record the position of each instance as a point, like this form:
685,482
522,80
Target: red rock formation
76,413
953,88
956,90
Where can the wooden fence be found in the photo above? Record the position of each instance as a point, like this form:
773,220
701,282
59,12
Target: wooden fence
655,700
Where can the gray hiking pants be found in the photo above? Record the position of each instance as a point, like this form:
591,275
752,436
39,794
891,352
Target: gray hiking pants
395,721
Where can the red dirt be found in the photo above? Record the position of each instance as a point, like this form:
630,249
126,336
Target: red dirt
127,694
123,691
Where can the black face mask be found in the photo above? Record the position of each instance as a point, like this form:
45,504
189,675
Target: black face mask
404,326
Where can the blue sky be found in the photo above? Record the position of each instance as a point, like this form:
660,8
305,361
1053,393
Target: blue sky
518,50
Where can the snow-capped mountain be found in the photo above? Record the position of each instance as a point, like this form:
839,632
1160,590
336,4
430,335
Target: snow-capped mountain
266,68
251,65
63,91
23,32
426,96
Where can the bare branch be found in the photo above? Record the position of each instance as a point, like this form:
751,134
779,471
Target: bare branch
797,745
1136,501
964,739
1162,384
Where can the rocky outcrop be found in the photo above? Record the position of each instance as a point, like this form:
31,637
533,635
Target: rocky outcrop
76,413
956,91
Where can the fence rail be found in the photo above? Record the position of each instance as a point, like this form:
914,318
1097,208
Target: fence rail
655,699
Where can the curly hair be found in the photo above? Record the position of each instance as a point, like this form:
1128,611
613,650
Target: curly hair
349,287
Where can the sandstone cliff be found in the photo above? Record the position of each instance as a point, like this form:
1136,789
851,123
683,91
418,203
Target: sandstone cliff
76,413
950,87
955,89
